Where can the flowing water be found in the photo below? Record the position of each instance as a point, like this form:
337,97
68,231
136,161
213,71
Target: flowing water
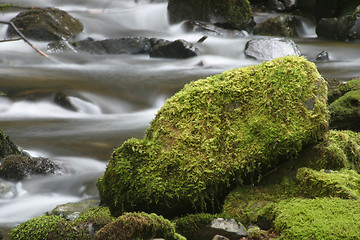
116,96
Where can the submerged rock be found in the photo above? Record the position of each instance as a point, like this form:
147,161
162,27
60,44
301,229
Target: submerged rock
232,14
176,49
46,24
17,167
215,133
269,48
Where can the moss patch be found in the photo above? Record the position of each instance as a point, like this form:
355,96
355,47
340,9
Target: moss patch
48,227
7,147
138,226
321,218
216,133
98,217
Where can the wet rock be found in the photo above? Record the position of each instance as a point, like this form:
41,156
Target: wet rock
211,29
7,147
17,167
7,190
335,28
219,237
228,228
290,4
345,111
283,26
176,49
73,210
275,5
186,148
232,14
46,24
322,57
270,48
62,100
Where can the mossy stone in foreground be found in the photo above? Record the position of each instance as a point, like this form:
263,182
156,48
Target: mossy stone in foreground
321,218
214,134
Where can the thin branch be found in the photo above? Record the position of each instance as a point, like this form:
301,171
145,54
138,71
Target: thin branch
10,40
25,39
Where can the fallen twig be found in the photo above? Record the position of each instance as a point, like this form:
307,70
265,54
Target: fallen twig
10,40
25,39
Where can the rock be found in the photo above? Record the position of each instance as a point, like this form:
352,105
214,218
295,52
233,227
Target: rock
95,218
219,237
283,26
232,14
46,24
73,210
290,4
265,49
17,167
320,218
215,133
7,147
211,29
7,190
254,232
342,184
62,100
334,28
138,226
322,57
275,5
176,49
228,228
345,111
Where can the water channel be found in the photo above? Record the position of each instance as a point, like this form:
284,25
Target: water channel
116,96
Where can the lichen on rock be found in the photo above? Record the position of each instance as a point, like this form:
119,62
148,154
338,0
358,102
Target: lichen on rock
215,134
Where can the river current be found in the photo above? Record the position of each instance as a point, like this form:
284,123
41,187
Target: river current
116,96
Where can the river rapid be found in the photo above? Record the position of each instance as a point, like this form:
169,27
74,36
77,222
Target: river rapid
116,96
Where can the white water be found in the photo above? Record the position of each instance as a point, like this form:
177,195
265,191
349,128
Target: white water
116,96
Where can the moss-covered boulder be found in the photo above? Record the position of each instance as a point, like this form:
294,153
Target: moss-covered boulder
326,183
217,133
320,218
236,14
345,111
7,147
72,210
96,217
46,24
49,227
339,149
138,226
283,26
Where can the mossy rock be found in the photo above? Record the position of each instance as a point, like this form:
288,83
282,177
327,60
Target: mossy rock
345,111
339,149
138,226
320,218
217,133
49,227
72,210
98,217
326,183
7,147
236,14
46,24
283,26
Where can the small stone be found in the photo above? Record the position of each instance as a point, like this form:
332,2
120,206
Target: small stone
219,237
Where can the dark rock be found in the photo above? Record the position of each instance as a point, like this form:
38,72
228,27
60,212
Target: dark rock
7,147
211,29
46,24
17,167
228,228
335,28
270,48
62,100
176,49
283,26
275,5
322,57
219,237
290,4
232,14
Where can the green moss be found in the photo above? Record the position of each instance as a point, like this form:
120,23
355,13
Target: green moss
98,217
216,133
48,227
321,218
352,85
7,147
138,226
339,149
343,184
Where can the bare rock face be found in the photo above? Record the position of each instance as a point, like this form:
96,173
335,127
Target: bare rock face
46,24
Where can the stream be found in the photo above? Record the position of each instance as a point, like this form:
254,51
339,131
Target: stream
116,96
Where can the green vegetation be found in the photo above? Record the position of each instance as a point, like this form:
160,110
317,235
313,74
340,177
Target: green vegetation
216,133
98,217
320,218
138,226
7,147
49,227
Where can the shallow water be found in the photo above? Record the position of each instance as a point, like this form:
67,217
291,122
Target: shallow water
116,96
